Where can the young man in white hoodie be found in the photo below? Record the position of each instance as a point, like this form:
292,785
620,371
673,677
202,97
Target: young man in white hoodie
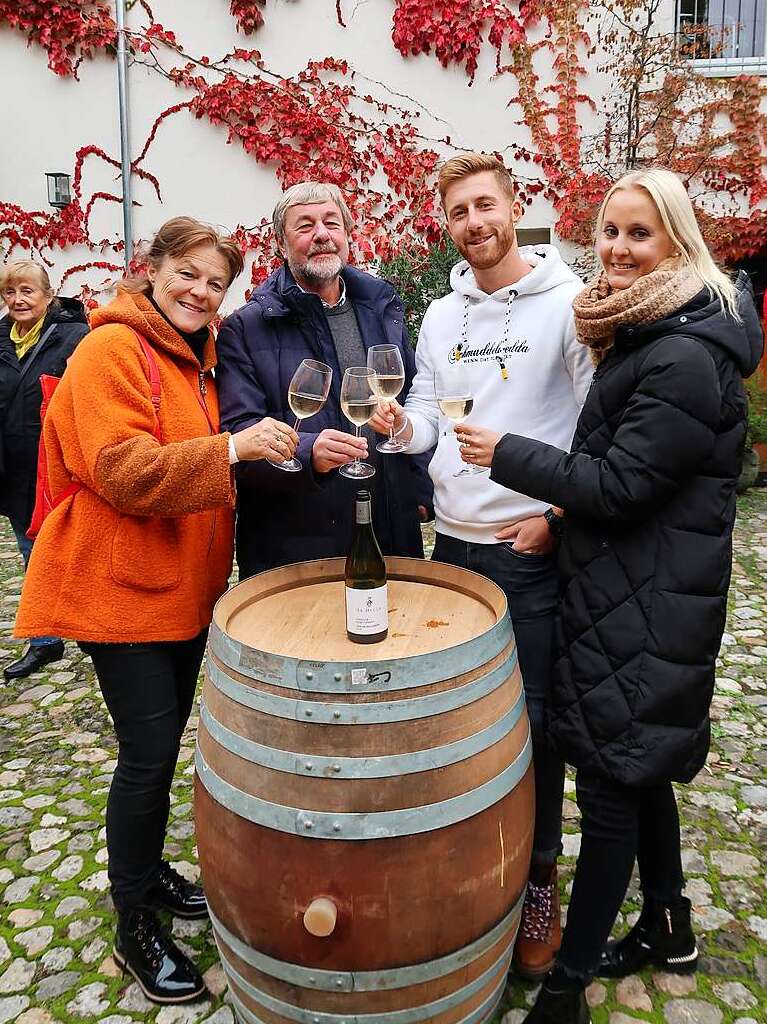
508,322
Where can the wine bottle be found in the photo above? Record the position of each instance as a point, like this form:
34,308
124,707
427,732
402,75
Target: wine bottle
367,609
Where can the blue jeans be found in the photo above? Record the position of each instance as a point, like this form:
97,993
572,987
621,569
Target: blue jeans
25,549
530,585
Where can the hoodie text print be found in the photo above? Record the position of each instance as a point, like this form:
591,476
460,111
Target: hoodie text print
528,375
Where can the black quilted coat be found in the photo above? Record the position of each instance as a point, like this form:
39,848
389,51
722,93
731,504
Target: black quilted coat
21,397
649,494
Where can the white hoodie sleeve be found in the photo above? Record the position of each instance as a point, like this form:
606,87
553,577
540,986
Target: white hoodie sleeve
578,361
420,404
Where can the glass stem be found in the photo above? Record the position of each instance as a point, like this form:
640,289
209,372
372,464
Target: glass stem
295,427
357,434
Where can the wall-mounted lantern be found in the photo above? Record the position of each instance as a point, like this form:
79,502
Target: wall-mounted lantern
59,193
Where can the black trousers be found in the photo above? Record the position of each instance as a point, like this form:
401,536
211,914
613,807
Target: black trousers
148,690
619,825
530,585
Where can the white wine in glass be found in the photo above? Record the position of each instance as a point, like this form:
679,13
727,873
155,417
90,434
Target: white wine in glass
359,412
452,389
386,363
455,408
304,406
359,401
307,393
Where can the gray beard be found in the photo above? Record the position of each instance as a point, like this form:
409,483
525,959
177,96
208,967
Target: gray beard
315,275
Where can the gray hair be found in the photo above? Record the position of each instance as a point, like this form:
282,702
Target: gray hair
309,192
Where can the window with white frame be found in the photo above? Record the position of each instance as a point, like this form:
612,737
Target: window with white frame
725,36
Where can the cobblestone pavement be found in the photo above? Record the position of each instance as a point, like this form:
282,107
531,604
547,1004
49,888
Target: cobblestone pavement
56,759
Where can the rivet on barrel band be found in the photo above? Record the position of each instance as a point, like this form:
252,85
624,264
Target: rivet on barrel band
335,677
406,821
363,714
369,981
411,1015
385,766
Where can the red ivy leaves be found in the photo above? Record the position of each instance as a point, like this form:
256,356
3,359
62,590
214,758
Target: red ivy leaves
247,15
317,125
455,29
69,30
314,126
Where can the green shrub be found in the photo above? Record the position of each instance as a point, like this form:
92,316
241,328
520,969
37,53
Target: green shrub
756,388
420,278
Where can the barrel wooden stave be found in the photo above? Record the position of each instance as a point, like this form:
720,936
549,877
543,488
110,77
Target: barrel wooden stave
386,912
378,1001
404,899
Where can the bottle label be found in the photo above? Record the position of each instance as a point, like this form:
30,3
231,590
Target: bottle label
367,611
363,512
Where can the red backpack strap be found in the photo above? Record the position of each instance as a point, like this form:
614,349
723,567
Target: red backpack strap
154,380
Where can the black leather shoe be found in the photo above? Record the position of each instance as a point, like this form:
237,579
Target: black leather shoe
559,1007
662,936
34,659
145,950
174,893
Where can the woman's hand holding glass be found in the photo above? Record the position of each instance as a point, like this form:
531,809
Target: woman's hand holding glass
267,439
477,444
454,395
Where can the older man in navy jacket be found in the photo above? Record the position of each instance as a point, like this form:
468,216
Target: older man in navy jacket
314,306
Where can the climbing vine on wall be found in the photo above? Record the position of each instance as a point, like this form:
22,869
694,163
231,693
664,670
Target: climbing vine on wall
70,31
325,122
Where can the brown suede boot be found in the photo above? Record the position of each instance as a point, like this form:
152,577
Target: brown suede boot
540,931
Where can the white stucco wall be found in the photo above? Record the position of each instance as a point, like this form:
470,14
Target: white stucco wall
199,174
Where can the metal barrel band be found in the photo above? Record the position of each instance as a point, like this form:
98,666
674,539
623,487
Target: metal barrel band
341,713
370,767
411,1015
478,1016
362,824
382,676
370,981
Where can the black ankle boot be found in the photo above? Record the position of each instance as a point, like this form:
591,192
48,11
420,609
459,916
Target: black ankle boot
662,936
555,1005
34,659
145,950
172,892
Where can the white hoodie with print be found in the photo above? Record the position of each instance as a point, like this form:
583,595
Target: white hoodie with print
532,383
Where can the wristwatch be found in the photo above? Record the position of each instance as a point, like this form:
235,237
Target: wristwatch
555,522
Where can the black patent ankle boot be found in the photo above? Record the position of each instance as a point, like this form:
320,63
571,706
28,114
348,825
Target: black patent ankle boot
559,1004
172,892
145,950
662,936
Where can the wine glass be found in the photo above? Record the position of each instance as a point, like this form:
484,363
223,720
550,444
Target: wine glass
307,393
455,398
386,363
359,401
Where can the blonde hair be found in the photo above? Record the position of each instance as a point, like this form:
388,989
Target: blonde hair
25,270
175,238
458,167
309,192
678,216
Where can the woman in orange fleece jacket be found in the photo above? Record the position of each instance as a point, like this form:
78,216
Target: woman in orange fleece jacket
132,558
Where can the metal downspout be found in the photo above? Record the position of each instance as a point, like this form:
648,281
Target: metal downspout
125,161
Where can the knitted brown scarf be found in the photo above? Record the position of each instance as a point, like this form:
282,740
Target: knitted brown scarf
599,309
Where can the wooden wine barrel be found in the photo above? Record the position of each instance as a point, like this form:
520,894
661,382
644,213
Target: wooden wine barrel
392,783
